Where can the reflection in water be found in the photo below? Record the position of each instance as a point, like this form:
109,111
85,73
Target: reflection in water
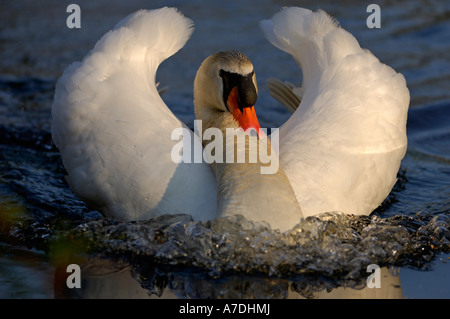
24,273
108,279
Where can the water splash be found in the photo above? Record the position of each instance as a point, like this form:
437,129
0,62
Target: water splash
334,245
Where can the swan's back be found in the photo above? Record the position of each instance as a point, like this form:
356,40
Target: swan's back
342,147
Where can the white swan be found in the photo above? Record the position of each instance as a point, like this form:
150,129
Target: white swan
340,150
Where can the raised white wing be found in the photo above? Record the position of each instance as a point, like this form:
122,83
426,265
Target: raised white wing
114,131
342,148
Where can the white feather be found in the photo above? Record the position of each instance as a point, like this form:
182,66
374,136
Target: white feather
114,131
342,148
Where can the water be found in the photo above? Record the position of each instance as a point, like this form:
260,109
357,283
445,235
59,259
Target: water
44,227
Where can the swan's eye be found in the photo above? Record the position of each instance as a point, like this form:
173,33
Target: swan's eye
221,73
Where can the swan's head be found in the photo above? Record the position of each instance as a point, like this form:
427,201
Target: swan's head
226,82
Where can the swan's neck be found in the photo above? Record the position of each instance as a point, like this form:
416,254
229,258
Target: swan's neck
243,189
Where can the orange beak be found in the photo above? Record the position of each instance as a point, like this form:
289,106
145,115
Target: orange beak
246,117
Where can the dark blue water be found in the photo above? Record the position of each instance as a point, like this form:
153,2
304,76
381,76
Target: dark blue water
44,226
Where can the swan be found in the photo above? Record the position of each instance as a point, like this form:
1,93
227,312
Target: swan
340,150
